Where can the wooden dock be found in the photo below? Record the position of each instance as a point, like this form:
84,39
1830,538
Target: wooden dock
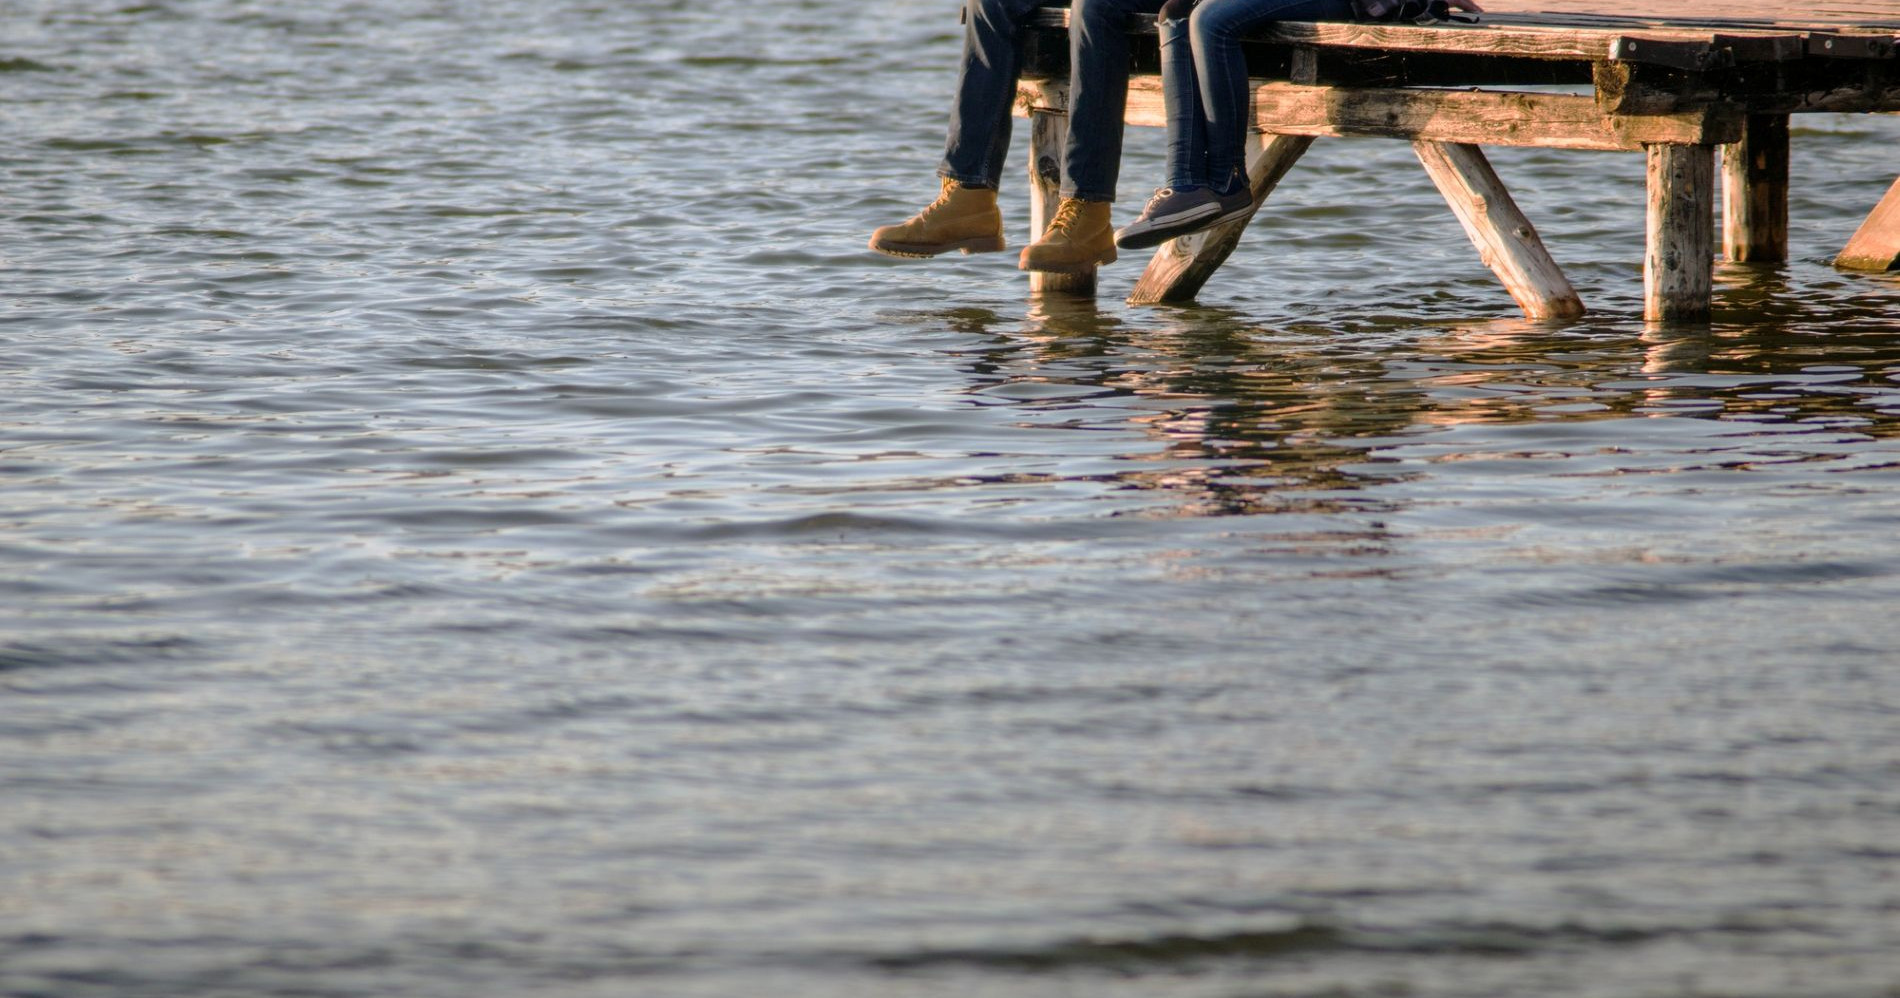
1711,83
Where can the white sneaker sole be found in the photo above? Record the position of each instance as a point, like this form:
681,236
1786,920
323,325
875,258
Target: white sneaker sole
1145,232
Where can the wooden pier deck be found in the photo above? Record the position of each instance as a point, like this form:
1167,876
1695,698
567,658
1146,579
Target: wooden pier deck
1713,81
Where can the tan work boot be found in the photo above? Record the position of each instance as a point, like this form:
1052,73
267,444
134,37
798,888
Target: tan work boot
1078,238
962,218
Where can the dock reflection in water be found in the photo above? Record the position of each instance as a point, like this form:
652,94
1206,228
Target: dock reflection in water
1245,419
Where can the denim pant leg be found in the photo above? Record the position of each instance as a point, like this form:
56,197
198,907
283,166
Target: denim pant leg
1216,27
986,90
1181,95
1098,95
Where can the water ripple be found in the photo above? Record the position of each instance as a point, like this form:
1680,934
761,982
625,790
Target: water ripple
473,516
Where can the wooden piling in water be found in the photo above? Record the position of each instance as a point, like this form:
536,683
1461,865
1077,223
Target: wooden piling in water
1755,192
1048,132
1677,268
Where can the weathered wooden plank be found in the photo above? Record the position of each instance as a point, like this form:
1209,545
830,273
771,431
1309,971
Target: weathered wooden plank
1475,117
1180,267
1862,11
1687,53
1850,46
1683,40
1470,117
1696,52
1528,43
1755,192
1763,47
1357,68
1047,132
1678,264
1505,239
1656,41
1768,14
1788,88
1680,21
1876,245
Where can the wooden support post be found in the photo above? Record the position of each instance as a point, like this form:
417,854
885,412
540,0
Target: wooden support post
1678,265
1504,237
1876,246
1304,68
1180,267
1048,131
1755,192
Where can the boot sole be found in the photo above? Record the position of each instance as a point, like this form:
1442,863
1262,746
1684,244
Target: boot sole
1155,236
1068,268
922,251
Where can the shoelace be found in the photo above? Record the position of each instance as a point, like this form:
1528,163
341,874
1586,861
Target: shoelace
1065,214
943,198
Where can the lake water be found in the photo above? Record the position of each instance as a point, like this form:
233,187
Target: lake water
474,520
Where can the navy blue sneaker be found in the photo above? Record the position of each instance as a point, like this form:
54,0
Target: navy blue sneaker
1239,204
1168,214
1173,213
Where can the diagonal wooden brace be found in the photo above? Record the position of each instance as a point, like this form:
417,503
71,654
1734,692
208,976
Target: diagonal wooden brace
1505,239
1876,246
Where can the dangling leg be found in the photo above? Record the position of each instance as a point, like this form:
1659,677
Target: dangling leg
965,215
1207,58
1186,204
1216,28
1080,236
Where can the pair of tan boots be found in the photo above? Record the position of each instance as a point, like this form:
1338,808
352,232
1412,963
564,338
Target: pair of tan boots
1078,238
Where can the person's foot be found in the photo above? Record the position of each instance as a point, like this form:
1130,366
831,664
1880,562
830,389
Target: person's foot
1173,213
1076,240
962,218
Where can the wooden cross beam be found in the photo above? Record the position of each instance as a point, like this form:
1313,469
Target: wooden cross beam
1475,117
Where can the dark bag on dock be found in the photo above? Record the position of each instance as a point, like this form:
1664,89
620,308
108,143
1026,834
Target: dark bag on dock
1405,11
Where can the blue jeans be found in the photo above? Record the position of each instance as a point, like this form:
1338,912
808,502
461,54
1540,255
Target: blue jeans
1204,84
1098,93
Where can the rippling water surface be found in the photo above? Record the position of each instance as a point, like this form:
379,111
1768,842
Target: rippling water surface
475,521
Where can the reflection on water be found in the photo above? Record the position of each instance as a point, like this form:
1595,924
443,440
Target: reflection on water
1238,418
